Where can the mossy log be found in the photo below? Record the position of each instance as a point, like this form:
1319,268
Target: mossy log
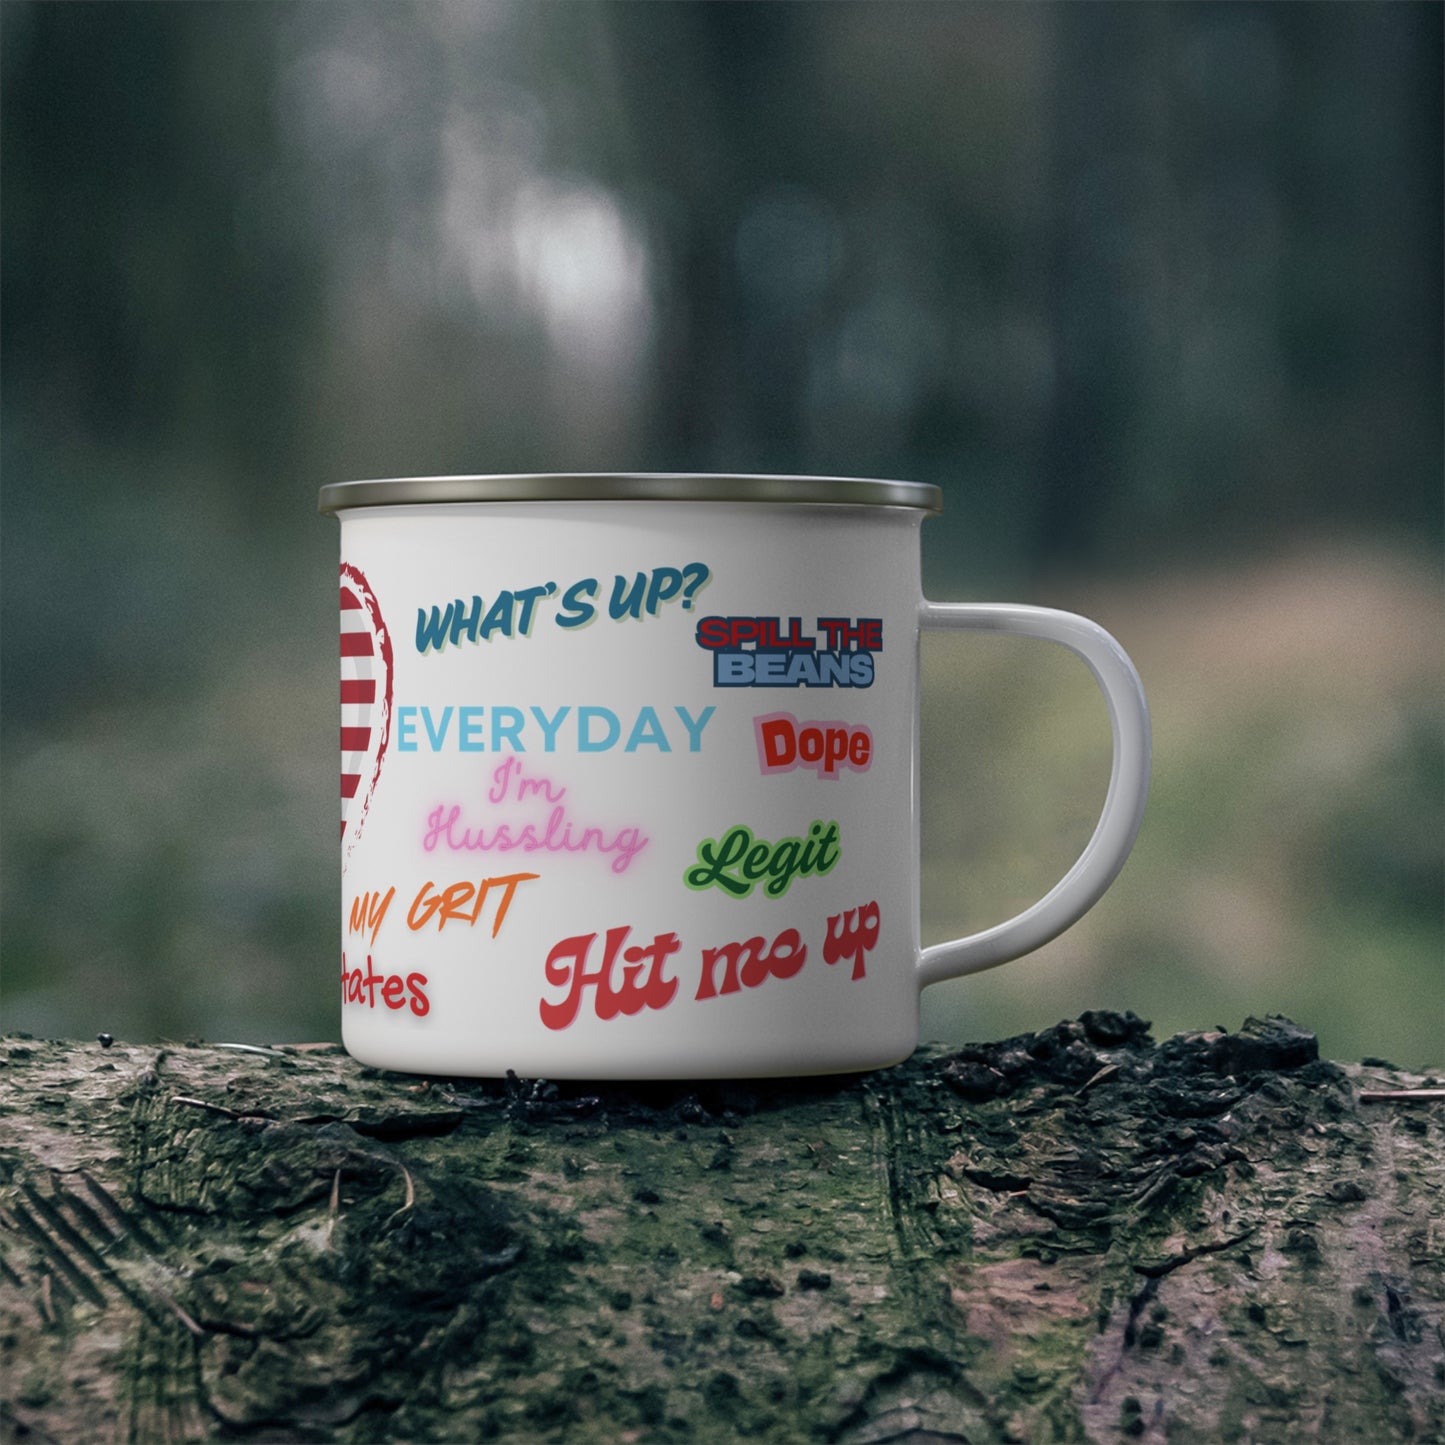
1073,1235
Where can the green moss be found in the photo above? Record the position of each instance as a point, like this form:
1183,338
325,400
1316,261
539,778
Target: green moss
996,1268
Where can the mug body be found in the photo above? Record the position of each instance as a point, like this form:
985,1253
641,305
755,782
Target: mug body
629,783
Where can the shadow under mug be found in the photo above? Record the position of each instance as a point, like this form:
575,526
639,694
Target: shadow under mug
630,781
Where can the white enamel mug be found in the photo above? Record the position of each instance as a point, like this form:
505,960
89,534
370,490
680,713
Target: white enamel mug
630,782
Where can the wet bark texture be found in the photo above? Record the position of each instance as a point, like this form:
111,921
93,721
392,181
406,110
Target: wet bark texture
1073,1235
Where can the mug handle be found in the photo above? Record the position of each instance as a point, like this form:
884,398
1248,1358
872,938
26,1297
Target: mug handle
1099,864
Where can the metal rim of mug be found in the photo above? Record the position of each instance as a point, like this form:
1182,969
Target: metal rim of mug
630,487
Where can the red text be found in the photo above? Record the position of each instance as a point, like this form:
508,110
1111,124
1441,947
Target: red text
396,992
643,983
746,965
766,632
849,939
866,633
784,744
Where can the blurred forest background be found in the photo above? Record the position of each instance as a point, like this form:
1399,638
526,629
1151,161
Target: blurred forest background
1153,292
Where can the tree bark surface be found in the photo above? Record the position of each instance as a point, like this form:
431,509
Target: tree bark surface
1077,1235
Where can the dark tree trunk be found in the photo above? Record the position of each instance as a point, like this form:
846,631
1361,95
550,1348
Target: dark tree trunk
1074,1235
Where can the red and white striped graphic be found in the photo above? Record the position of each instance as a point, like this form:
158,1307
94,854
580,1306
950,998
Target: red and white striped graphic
366,658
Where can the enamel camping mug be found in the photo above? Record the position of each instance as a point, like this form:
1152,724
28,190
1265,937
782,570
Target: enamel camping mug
629,775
